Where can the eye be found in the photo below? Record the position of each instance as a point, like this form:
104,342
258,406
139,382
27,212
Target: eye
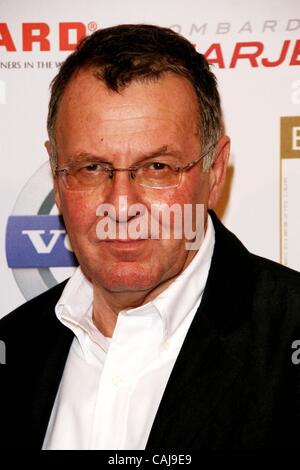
92,167
158,166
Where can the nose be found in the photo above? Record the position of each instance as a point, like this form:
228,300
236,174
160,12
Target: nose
121,192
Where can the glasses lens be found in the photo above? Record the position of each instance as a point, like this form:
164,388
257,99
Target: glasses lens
157,175
151,175
88,177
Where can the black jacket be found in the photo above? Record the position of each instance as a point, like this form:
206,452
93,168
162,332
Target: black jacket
233,386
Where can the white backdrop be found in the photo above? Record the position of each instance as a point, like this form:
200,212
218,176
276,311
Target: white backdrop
260,202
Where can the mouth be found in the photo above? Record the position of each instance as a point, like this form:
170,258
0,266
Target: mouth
127,244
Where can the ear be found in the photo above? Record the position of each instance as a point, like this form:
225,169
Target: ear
217,172
54,177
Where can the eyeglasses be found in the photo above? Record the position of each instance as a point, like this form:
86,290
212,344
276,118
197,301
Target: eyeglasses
153,174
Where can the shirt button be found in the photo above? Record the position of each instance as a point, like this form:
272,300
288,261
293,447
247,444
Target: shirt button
165,345
117,380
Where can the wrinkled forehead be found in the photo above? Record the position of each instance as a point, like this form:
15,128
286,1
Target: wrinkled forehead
170,94
90,113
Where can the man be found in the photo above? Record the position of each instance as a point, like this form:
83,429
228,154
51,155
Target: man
152,343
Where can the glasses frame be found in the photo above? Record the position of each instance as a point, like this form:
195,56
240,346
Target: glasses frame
132,170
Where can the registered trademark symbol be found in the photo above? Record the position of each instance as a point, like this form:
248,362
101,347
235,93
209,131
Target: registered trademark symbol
92,26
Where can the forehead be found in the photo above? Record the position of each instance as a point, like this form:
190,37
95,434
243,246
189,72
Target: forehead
89,111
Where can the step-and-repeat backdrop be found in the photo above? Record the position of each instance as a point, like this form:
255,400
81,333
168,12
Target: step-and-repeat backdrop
255,51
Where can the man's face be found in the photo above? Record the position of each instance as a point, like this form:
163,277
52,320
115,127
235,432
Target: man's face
122,129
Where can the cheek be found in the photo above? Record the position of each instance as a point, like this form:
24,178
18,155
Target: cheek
193,189
78,210
198,190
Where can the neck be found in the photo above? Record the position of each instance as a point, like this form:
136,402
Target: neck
108,304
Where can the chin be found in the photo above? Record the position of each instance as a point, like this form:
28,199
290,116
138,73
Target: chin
132,278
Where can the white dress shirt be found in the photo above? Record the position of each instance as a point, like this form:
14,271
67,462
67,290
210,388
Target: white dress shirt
111,388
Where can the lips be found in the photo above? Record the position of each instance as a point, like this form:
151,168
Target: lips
125,246
128,240
124,243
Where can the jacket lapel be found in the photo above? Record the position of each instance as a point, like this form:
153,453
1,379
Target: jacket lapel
48,381
211,357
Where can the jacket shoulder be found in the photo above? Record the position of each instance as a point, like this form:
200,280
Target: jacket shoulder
252,290
270,272
230,251
39,308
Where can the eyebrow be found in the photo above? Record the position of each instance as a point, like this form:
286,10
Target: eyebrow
164,150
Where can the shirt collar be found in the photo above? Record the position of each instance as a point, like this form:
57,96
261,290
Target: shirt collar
74,308
185,292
